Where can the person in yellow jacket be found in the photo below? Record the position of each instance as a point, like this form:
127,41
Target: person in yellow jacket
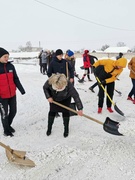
108,70
131,67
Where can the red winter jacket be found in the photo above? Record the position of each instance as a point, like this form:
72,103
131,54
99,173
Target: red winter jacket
9,81
86,60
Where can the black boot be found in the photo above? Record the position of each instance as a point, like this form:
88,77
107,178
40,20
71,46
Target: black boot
81,80
8,133
50,123
11,129
66,126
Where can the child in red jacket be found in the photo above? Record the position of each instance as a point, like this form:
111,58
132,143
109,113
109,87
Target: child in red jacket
9,81
86,65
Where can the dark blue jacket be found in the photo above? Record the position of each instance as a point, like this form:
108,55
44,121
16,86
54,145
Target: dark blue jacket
59,66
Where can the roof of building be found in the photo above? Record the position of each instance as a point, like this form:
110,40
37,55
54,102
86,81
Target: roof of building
124,49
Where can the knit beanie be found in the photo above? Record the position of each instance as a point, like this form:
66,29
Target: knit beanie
3,52
70,53
58,52
86,51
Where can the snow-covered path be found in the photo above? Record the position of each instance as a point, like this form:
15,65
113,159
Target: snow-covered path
89,153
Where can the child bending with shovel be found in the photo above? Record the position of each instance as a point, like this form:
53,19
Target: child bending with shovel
106,72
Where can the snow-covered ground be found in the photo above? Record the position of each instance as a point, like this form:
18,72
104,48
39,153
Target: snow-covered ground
88,153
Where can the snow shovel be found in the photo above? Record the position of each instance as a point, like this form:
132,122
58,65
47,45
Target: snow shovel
109,125
114,104
17,157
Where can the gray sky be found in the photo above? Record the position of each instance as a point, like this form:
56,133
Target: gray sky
29,20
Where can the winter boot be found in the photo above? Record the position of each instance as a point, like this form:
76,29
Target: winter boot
92,90
130,98
110,109
50,123
81,80
66,126
11,129
8,133
99,110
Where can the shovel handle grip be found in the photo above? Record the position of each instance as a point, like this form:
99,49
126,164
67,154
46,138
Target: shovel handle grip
72,110
11,150
6,147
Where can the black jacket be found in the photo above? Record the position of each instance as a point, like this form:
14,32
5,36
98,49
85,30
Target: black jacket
59,66
69,91
92,59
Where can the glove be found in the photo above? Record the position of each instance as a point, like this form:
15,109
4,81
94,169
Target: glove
23,93
103,82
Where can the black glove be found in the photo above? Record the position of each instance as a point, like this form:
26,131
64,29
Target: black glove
23,93
103,82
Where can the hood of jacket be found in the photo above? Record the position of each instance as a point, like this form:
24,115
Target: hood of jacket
121,62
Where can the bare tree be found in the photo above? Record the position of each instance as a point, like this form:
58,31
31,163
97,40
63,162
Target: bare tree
104,47
121,44
28,46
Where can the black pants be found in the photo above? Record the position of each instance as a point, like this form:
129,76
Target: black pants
8,112
64,114
110,90
86,72
44,68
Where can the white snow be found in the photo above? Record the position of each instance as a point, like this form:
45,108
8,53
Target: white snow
88,153
124,49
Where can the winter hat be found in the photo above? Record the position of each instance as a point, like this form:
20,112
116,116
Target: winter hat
86,51
3,52
120,54
70,53
58,52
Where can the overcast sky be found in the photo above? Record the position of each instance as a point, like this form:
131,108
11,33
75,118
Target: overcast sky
67,24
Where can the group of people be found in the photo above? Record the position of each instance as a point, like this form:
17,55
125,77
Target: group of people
60,86
45,57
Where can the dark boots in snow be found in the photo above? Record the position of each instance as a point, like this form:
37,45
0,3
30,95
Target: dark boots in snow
81,80
50,123
66,126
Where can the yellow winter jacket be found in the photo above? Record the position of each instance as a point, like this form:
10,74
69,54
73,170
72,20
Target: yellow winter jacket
109,65
132,65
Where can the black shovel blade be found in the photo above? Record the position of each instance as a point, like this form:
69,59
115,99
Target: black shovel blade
118,110
111,127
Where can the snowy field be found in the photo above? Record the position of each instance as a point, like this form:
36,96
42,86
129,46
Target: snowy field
88,153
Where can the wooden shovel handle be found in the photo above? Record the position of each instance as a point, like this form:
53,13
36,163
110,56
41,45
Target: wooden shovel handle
20,155
6,147
72,110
